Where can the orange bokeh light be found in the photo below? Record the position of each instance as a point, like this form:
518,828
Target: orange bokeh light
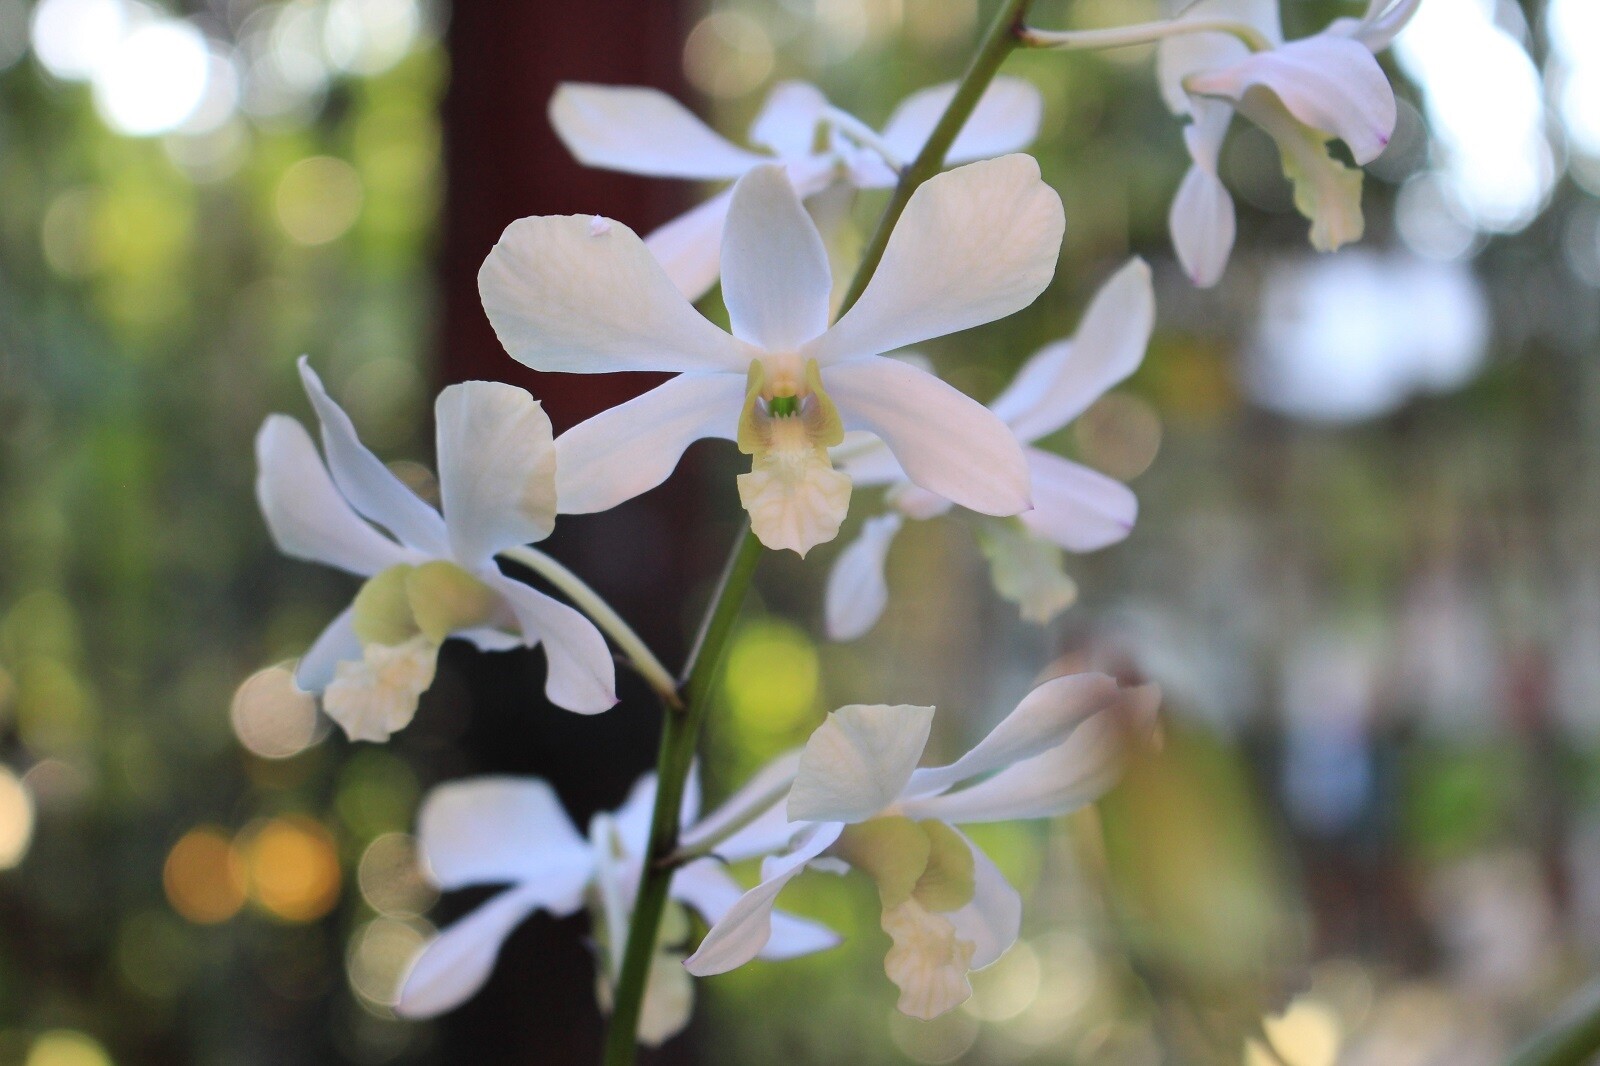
294,868
203,876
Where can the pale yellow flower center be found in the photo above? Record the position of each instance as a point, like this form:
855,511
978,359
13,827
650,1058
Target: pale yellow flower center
795,498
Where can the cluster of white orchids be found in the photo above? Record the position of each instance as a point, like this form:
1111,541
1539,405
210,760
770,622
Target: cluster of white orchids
815,381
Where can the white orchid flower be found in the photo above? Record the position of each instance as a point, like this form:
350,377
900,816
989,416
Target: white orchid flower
430,575
859,797
513,831
584,295
645,131
1075,508
1303,93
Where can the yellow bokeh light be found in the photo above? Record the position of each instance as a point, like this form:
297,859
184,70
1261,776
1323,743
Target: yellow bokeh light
1307,1034
293,868
203,877
771,682
391,879
380,954
727,54
1006,989
16,819
318,199
65,1047
1119,435
271,717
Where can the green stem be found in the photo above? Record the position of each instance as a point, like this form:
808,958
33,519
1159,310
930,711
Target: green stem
681,730
1143,33
1002,37
1572,1037
590,603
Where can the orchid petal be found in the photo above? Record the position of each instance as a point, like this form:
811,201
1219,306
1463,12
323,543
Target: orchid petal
454,965
633,447
867,460
639,130
707,887
765,788
305,513
1183,54
1327,82
993,919
788,120
633,818
582,294
375,695
746,927
974,244
689,248
502,830
1060,382
372,488
497,469
337,643
1080,509
1006,119
947,442
857,592
1383,21
858,761
775,274
1202,218
581,675
1058,780
1044,719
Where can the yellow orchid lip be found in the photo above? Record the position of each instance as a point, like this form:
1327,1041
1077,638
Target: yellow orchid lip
795,497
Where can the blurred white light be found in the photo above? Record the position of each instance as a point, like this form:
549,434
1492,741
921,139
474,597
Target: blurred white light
154,79
16,819
220,99
1574,27
73,37
370,36
1485,105
1356,336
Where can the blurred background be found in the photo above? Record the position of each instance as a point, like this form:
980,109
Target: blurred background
1366,573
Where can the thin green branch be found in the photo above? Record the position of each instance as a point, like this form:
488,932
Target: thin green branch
1143,33
590,603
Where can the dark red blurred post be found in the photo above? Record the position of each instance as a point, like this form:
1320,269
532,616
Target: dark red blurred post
502,162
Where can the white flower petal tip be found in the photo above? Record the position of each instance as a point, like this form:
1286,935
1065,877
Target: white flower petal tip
376,696
642,131
929,962
858,761
974,244
1203,227
562,299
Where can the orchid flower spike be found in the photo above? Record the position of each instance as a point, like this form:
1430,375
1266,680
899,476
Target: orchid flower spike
513,831
974,244
1075,508
645,131
1303,93
429,575
859,798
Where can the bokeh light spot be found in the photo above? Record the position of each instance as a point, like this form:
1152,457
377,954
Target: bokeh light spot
203,876
66,1047
271,717
380,954
390,877
16,819
727,54
318,200
772,675
293,868
154,79
1006,989
1119,435
944,1039
1307,1034
73,37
